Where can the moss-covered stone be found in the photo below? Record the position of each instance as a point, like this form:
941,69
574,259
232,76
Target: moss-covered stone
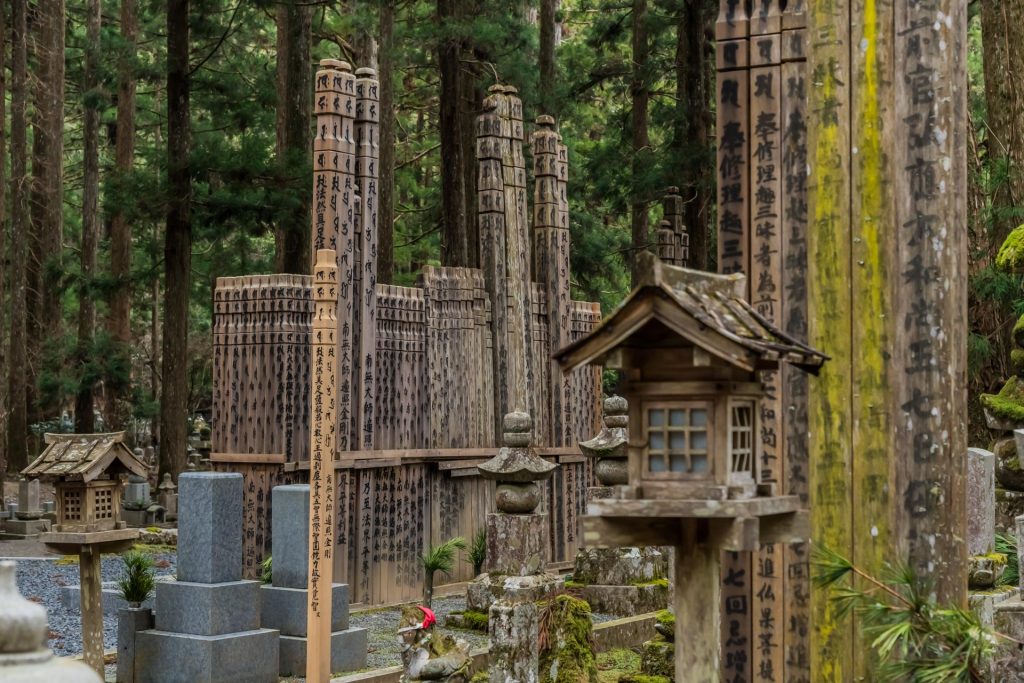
569,653
665,624
480,677
1011,254
469,619
1008,404
1017,361
641,678
1018,332
658,658
660,583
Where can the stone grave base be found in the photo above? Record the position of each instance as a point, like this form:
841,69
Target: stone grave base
208,608
516,544
165,657
71,597
486,589
627,601
348,652
1008,618
16,529
285,609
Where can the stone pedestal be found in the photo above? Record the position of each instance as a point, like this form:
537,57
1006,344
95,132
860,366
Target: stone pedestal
515,657
285,600
15,529
137,489
130,620
517,545
28,499
208,621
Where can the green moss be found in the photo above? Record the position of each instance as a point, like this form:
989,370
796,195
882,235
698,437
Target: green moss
480,677
475,621
574,584
568,655
994,558
67,559
662,583
153,529
1011,254
1008,404
639,678
666,618
1018,332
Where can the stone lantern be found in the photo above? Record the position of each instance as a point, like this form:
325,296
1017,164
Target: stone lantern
690,348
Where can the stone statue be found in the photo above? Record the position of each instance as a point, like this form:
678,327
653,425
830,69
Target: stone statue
428,655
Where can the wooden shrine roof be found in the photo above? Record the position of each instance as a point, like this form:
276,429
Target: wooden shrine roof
84,457
706,310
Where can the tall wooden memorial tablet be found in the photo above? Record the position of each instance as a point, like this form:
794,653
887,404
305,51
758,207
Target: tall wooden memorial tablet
733,106
795,456
767,589
886,243
321,467
368,151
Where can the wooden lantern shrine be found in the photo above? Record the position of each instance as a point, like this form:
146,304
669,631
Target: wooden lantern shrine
86,470
690,348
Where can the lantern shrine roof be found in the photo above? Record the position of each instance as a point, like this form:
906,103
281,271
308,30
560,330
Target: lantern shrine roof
84,457
673,306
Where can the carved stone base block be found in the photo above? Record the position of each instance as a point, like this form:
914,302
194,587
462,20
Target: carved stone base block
627,601
517,545
619,566
514,636
486,589
348,652
165,657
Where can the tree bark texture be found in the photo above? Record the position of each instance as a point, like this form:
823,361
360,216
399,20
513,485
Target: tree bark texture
17,430
177,245
4,261
294,140
690,131
547,57
386,198
455,250
120,306
45,264
84,420
640,92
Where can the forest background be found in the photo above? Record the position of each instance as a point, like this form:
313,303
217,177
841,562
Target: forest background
149,147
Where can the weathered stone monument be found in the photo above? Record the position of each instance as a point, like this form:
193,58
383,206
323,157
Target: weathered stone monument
27,521
619,581
285,597
208,621
24,657
517,552
428,655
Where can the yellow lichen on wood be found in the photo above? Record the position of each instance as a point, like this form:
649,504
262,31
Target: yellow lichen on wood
829,323
870,222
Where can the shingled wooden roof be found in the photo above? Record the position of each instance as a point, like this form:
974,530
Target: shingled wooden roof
705,309
84,457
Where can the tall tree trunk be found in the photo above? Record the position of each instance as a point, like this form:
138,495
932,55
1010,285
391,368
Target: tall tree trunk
17,427
84,411
689,149
4,261
294,140
363,43
177,245
386,164
471,97
640,91
454,230
120,313
45,322
547,56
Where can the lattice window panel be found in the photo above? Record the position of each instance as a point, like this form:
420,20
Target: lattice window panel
678,439
741,438
104,504
73,506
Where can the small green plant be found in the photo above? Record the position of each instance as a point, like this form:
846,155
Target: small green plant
137,581
439,558
915,638
1007,545
478,551
267,569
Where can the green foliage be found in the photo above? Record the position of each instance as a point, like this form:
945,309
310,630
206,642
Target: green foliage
914,638
478,551
267,569
1007,546
566,641
137,581
440,558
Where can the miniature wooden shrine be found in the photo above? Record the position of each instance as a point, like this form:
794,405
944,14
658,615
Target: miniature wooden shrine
690,348
88,472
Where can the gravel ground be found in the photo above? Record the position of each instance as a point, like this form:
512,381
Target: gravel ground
41,581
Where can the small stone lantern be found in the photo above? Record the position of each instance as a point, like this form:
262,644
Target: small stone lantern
86,470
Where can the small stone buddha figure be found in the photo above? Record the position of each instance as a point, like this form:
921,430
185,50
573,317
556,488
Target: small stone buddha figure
428,655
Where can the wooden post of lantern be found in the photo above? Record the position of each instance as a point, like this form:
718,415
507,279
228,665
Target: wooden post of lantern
321,467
